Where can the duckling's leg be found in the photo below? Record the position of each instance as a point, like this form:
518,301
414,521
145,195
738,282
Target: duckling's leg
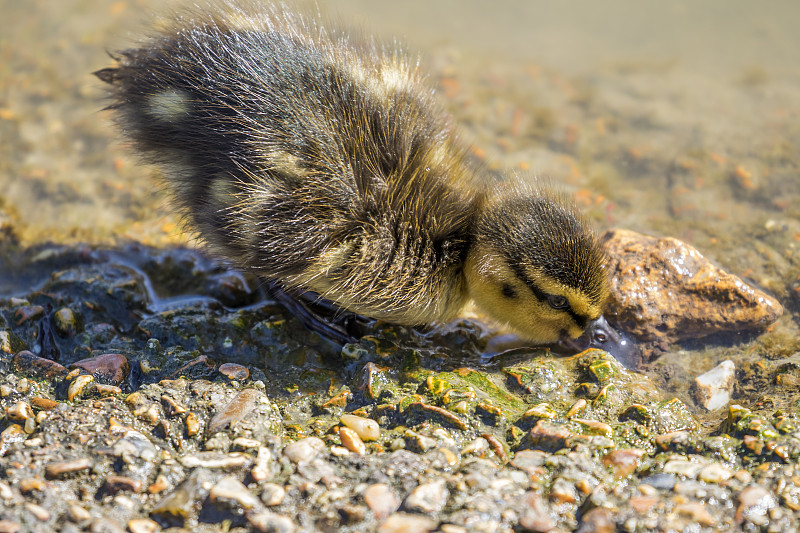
319,315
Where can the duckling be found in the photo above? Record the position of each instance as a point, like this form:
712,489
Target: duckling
326,165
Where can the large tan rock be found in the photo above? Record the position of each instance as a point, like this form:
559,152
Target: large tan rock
665,290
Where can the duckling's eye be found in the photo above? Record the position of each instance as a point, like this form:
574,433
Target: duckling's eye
508,291
557,302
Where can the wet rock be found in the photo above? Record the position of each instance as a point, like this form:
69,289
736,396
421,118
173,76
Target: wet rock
237,409
110,368
713,389
427,498
381,499
233,371
38,367
407,523
665,290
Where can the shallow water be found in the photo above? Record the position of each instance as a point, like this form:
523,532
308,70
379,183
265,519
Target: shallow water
674,118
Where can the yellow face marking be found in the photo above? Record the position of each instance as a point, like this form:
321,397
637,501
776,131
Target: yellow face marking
506,298
170,105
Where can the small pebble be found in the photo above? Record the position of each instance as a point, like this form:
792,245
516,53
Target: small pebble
231,492
304,450
352,441
269,522
19,411
696,511
62,469
143,525
261,468
713,389
41,514
407,523
682,467
77,386
367,429
44,404
715,473
115,484
104,391
78,514
477,446
427,498
597,520
643,504
105,525
171,406
192,424
5,492
64,321
28,485
272,494
381,499
213,460
535,514
233,371
754,504
9,526
159,485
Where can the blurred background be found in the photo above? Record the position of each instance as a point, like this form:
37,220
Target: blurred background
670,118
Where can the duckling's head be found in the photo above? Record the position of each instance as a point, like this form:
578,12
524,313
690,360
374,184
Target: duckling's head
535,265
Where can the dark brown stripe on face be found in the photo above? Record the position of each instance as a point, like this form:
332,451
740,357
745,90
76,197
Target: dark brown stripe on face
580,320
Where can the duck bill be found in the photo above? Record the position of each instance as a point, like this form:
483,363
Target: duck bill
601,335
